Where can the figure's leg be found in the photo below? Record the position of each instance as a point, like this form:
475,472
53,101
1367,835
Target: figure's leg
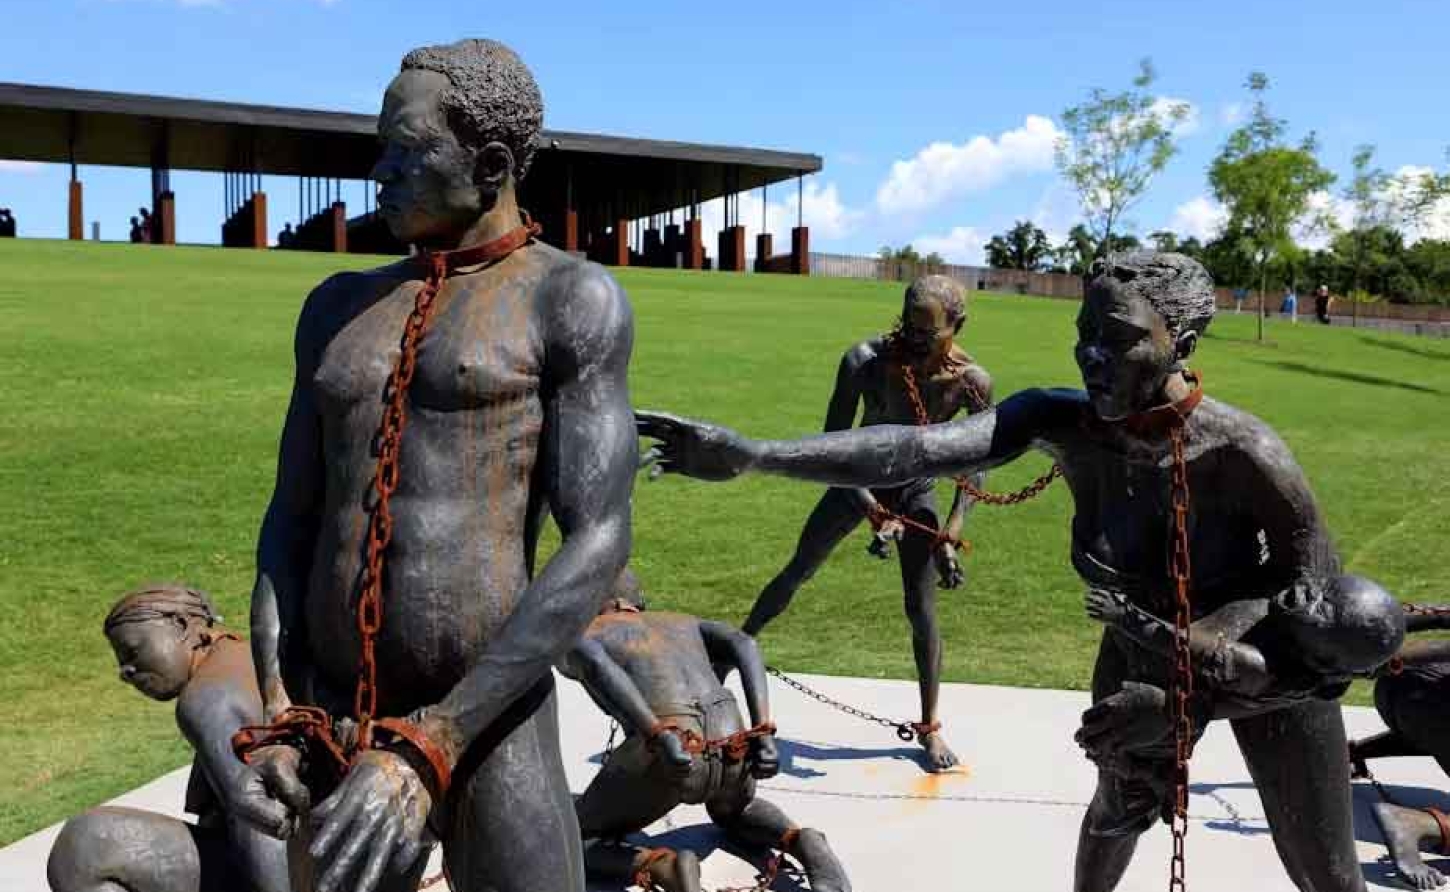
511,826
670,869
918,585
1296,758
628,794
756,823
1406,831
125,850
1111,826
833,518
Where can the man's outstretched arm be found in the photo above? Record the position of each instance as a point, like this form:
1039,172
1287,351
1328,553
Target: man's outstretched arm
881,455
589,455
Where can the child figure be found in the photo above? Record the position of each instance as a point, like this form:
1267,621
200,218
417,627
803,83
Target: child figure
169,647
685,741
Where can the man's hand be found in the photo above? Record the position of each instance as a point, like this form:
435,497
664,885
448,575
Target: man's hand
694,448
252,802
277,771
672,748
764,757
948,568
1132,718
1107,607
890,530
374,822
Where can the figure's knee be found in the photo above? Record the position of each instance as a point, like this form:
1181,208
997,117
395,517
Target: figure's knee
112,849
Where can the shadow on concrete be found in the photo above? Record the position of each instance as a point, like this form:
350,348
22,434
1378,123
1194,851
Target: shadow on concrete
790,750
1342,375
1412,349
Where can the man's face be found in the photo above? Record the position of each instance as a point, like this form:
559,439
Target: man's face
153,656
1124,350
426,191
927,330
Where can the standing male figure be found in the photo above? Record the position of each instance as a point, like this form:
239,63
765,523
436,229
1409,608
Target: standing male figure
517,400
1129,445
875,372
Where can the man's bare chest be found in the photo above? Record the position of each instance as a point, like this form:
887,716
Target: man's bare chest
480,348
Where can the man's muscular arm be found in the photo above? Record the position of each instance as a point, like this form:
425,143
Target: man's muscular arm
977,399
882,455
589,454
841,413
727,644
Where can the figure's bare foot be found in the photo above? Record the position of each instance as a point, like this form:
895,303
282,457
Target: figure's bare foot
1403,832
939,756
822,868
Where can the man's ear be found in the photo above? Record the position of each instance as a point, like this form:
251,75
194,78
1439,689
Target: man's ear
493,166
1185,344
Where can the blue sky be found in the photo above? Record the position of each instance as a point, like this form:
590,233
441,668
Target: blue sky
935,119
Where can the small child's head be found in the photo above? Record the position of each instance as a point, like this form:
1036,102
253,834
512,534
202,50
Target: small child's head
155,632
626,596
1350,628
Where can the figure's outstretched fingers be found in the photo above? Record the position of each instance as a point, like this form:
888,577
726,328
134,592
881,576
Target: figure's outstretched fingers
407,855
345,862
379,857
335,815
658,425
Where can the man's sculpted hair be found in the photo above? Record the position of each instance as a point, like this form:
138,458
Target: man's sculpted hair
1177,286
945,290
491,95
162,601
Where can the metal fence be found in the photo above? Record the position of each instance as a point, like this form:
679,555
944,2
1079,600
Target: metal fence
975,278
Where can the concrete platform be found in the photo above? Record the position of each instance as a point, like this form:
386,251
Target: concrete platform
1007,821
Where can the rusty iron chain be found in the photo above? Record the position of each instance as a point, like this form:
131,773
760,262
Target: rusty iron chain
906,731
923,418
1182,682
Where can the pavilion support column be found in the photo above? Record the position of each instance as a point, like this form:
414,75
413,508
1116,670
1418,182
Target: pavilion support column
571,230
257,224
163,217
732,250
653,248
618,254
339,227
76,218
800,250
764,249
694,245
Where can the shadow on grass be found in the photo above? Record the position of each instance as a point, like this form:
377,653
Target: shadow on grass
1342,375
1412,349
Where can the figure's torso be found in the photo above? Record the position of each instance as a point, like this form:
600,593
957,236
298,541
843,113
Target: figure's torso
474,416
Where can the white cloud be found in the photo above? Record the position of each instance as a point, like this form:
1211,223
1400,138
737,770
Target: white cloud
1436,222
1324,206
944,170
1200,217
964,244
822,211
20,166
1231,114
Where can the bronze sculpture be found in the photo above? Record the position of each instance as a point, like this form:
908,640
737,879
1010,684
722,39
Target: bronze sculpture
169,646
402,640
883,374
1412,696
1133,448
655,673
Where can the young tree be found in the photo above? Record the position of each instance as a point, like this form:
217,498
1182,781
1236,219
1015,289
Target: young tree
1112,147
1382,202
1024,246
1266,185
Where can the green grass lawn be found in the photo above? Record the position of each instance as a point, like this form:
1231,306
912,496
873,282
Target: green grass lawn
143,390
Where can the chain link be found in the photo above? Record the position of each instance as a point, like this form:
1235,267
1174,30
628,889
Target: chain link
1182,683
907,731
923,418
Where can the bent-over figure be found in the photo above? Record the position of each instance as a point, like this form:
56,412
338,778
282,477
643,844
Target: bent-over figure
1413,699
654,673
872,374
515,398
1253,531
169,647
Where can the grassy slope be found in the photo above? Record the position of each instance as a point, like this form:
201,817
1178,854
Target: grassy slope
144,388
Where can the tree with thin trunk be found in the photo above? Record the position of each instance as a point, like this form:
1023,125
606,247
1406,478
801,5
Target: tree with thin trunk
1024,246
1267,186
1112,147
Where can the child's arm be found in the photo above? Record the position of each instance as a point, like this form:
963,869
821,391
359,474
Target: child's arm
1213,641
590,664
727,644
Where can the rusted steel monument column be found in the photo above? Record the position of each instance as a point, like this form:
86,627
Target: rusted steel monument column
618,248
258,228
75,223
